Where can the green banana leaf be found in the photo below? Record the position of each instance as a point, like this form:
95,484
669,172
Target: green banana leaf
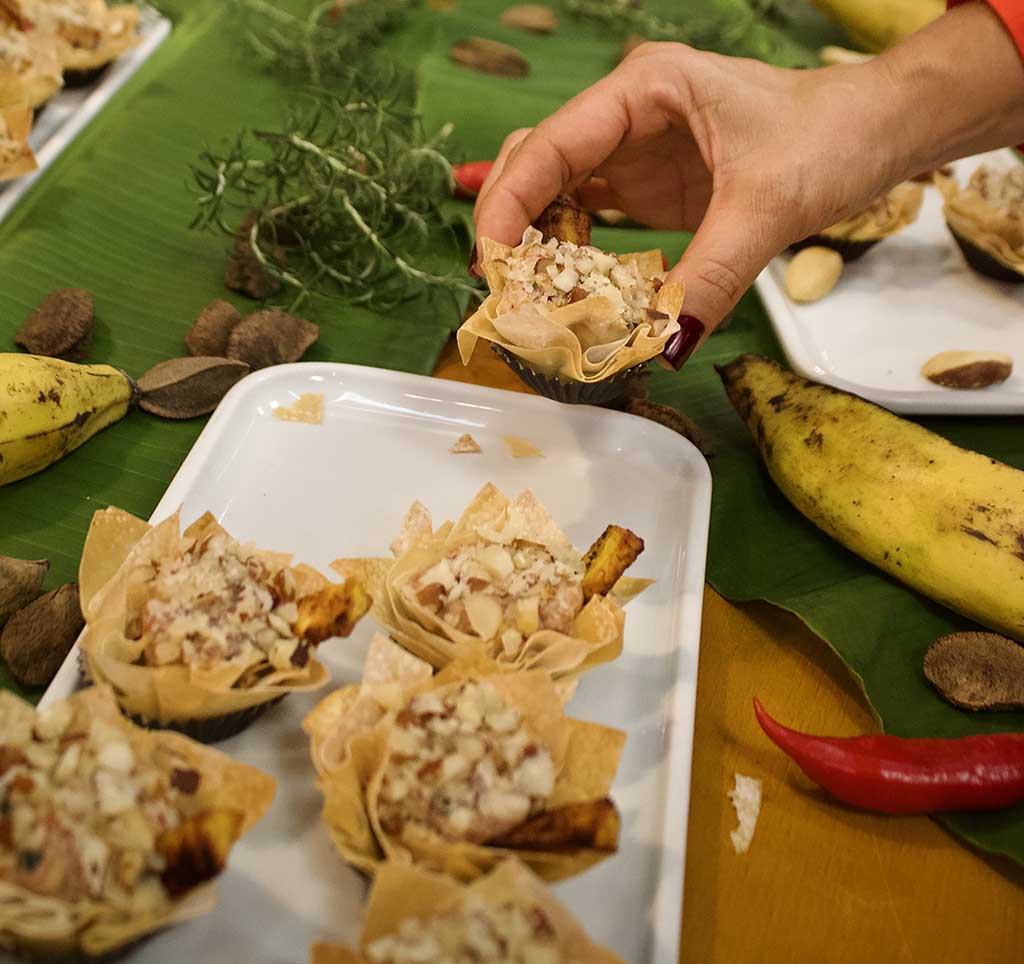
112,216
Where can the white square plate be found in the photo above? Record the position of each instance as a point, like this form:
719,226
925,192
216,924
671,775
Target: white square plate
342,489
68,112
907,299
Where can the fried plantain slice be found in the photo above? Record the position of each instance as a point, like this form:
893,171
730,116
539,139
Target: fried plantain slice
197,850
333,611
608,558
590,825
564,220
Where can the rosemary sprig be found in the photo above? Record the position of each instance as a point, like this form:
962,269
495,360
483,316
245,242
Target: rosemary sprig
350,189
317,40
740,32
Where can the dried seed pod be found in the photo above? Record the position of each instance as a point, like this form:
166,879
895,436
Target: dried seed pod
271,337
188,387
968,369
244,272
209,335
977,671
670,418
813,273
61,327
20,582
565,220
534,17
490,57
37,638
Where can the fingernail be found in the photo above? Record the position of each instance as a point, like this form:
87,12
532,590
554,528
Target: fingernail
681,345
473,261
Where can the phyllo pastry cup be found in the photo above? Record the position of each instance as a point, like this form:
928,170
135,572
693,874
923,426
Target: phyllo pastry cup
109,832
30,72
16,157
573,321
854,236
456,772
986,218
198,632
506,917
89,34
503,582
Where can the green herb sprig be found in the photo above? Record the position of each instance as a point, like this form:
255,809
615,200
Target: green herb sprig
350,190
741,32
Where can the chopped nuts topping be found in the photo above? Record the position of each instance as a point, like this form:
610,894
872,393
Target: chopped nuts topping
476,933
559,273
80,812
219,603
502,593
461,763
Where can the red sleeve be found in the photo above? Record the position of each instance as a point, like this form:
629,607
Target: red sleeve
1011,12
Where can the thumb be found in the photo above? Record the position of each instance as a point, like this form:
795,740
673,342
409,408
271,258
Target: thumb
724,258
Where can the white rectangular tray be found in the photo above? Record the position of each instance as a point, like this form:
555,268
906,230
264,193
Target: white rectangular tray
342,489
69,111
905,300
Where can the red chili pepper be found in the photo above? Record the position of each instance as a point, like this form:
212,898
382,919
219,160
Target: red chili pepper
470,177
892,774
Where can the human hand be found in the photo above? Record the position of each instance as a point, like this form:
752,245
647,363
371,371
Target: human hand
750,156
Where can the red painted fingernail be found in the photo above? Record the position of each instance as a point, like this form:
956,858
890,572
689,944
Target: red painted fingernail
681,345
472,261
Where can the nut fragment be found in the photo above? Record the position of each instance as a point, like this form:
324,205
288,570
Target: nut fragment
20,582
188,387
61,327
244,272
968,369
37,638
490,57
813,273
977,671
534,17
209,335
271,337
564,220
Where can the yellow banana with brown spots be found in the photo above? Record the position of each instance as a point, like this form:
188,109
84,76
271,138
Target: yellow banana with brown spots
946,521
49,407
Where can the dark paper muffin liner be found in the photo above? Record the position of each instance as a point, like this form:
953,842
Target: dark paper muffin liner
847,250
73,79
982,262
212,729
606,392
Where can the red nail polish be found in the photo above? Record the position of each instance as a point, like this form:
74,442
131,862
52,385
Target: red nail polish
472,261
681,345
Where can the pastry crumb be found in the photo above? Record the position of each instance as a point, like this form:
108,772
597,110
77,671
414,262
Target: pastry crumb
307,408
520,448
465,445
746,798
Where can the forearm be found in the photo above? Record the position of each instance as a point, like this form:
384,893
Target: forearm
957,89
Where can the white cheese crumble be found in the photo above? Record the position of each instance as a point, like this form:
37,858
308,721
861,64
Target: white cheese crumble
746,798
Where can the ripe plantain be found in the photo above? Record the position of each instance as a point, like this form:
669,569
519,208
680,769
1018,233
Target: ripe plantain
944,520
49,407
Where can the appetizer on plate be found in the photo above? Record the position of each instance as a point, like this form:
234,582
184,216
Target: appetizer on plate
458,771
109,832
854,236
986,218
573,321
16,157
507,917
503,582
89,34
30,71
199,632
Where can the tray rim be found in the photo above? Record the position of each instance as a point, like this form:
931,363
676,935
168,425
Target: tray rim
679,731
787,329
